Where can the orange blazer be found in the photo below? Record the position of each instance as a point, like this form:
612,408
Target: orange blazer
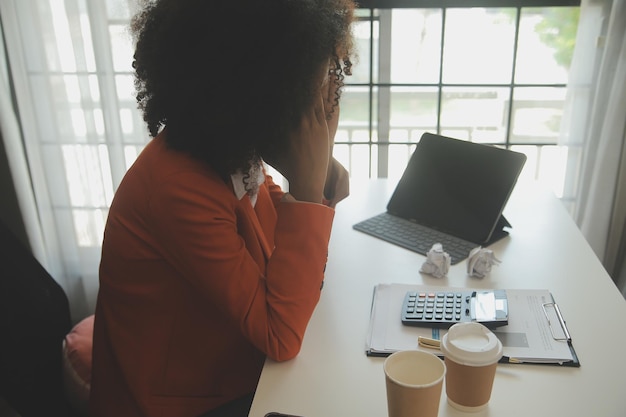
197,287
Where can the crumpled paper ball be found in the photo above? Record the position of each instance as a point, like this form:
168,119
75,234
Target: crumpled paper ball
437,262
480,261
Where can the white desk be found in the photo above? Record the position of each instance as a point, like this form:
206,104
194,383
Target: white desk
332,376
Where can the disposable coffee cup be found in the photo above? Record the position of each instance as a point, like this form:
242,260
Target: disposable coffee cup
414,380
471,353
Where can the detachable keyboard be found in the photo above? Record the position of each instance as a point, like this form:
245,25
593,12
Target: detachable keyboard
414,237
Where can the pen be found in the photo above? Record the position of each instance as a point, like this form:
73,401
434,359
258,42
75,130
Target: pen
427,342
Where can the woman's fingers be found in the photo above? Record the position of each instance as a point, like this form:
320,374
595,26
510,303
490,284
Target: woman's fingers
308,155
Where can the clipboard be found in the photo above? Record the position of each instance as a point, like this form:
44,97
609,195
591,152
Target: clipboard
536,334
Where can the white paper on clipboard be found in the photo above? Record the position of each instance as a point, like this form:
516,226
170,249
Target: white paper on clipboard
536,332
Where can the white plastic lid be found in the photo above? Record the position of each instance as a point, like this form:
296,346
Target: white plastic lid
471,344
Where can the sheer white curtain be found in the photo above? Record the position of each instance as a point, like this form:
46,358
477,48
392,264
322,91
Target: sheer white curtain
594,129
73,130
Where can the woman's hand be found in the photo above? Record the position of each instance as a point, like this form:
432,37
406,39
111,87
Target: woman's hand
305,163
337,185
308,165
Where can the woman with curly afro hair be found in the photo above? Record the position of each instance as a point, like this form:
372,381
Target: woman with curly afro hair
208,267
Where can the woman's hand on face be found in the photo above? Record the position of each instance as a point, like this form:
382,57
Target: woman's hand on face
305,164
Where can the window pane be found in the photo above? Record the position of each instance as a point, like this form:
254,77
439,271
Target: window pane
536,115
474,113
121,48
130,117
355,111
59,46
546,43
125,87
416,45
89,226
414,107
545,164
121,9
64,49
478,46
359,160
362,35
88,175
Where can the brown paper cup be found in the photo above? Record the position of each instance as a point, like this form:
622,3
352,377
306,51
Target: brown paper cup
414,382
471,354
469,387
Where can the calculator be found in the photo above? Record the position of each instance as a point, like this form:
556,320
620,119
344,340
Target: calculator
442,309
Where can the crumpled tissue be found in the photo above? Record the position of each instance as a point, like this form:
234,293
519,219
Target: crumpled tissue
480,261
437,262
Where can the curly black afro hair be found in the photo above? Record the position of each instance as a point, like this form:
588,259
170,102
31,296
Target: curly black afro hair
229,79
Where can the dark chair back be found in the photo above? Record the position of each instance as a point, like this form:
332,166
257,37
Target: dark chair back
34,319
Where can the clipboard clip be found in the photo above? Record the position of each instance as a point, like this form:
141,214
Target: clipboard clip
566,334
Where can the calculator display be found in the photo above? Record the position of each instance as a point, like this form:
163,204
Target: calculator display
485,306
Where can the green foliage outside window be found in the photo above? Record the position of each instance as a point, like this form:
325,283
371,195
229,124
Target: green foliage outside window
558,30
